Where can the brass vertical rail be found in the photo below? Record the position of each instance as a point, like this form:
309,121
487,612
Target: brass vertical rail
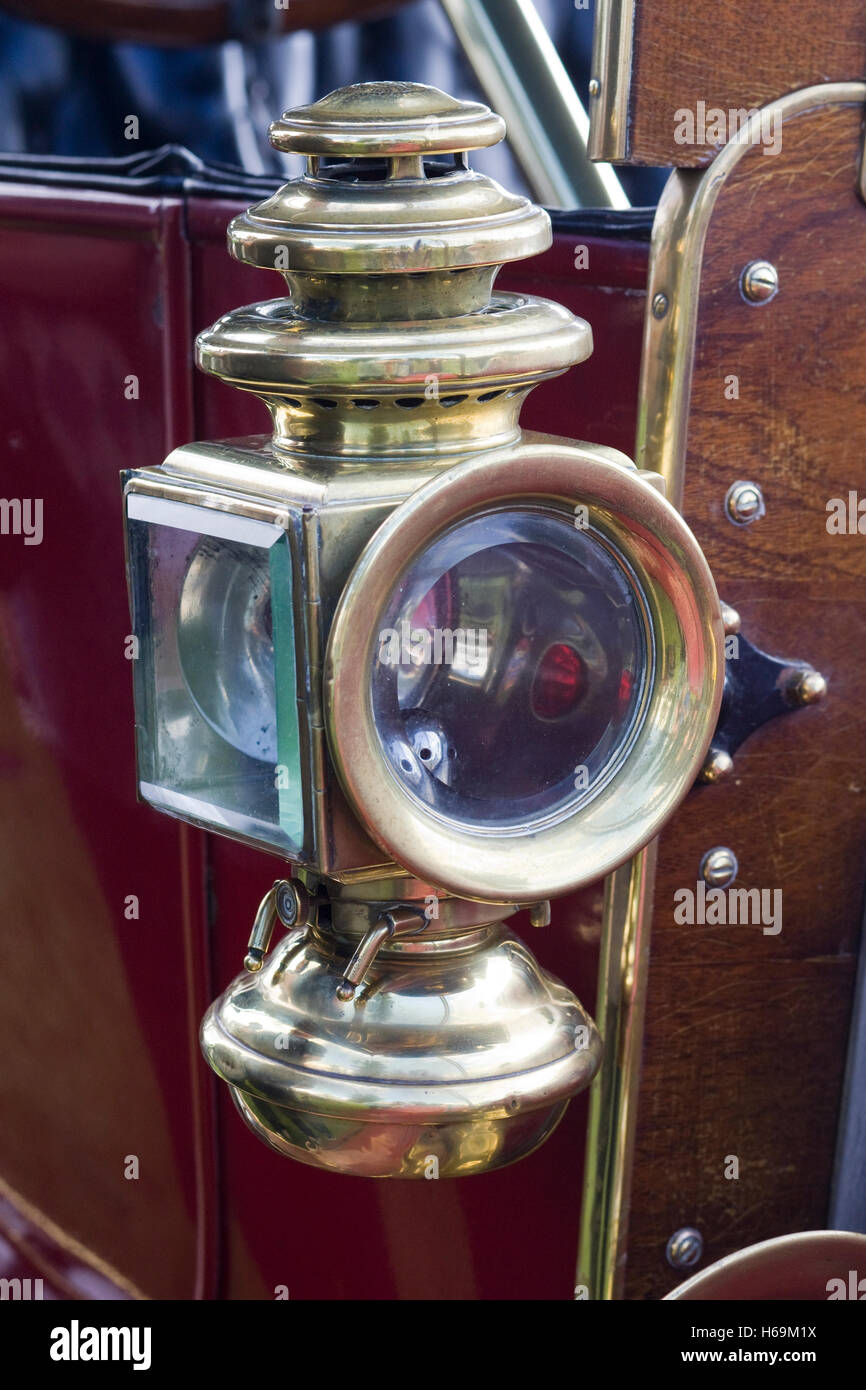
611,79
622,980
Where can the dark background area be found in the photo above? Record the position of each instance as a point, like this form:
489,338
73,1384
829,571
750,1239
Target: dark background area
65,93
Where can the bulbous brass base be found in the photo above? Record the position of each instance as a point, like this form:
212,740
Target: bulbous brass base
385,1149
455,1054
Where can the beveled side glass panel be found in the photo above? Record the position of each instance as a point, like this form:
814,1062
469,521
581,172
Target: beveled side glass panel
217,734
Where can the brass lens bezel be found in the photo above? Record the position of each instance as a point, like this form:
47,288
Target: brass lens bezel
681,710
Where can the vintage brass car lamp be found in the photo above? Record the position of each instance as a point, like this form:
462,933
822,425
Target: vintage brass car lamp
446,668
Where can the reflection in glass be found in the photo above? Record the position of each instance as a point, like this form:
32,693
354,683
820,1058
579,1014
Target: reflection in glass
511,669
226,647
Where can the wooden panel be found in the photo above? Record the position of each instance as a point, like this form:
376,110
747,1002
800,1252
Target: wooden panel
746,1031
731,56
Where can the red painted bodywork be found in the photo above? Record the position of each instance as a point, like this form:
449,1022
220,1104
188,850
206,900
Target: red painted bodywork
99,1009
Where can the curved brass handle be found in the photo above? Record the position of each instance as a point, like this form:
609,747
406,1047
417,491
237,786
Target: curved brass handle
398,921
288,901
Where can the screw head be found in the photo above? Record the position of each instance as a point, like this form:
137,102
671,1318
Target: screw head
594,87
730,619
744,503
759,282
659,305
719,867
685,1248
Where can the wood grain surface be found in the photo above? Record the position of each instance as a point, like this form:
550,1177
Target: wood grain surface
746,1032
732,55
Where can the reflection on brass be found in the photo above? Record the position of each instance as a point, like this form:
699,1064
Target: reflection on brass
620,1008
611,69
287,902
539,914
685,671
390,925
415,121
452,1053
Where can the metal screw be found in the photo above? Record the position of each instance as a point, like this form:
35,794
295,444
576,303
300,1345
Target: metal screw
759,282
594,87
730,619
719,867
718,765
685,1248
744,503
660,305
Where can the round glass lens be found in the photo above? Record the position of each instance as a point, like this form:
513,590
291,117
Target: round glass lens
510,669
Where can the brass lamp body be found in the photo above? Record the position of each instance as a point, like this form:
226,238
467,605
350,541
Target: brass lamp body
399,1028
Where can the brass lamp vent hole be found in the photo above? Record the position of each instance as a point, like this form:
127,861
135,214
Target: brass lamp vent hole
366,169
401,402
